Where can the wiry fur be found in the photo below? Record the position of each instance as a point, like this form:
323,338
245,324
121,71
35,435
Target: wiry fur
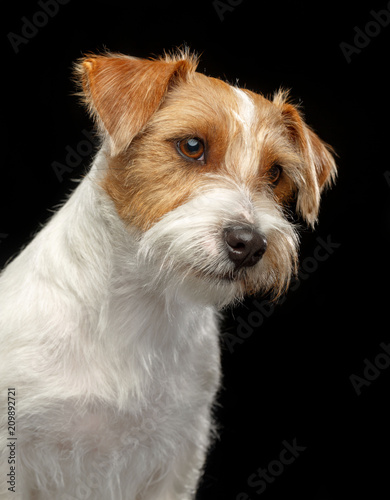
108,319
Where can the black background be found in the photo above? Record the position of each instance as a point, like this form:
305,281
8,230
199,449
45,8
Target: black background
290,379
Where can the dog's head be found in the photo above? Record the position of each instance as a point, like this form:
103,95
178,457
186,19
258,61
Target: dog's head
205,173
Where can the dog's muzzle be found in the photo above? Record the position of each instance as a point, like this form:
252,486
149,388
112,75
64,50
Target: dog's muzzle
245,245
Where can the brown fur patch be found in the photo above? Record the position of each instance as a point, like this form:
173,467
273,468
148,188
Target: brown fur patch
318,165
123,92
151,178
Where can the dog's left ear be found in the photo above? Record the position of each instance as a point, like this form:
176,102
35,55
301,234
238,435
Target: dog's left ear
319,168
123,92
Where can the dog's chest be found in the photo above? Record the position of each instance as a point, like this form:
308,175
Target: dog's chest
99,430
155,397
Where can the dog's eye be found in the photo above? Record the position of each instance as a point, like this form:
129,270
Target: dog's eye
191,148
274,174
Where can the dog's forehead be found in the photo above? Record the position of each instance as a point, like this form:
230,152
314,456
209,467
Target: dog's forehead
214,100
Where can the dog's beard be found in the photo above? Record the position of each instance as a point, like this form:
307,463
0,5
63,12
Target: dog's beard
185,254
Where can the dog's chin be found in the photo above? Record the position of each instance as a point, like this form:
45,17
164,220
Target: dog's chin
212,289
215,288
230,276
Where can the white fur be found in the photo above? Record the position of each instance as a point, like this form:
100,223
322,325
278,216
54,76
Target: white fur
246,120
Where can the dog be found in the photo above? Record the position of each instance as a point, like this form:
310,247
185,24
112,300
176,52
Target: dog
109,317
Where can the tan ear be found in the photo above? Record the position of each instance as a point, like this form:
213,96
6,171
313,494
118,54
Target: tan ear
319,168
123,92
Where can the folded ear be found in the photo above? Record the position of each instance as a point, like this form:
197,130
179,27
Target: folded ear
123,92
318,166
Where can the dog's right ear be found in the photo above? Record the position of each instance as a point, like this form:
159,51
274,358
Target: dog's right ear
123,92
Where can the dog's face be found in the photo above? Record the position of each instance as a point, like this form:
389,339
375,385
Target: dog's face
205,173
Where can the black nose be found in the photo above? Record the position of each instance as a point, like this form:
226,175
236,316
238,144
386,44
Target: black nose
245,245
